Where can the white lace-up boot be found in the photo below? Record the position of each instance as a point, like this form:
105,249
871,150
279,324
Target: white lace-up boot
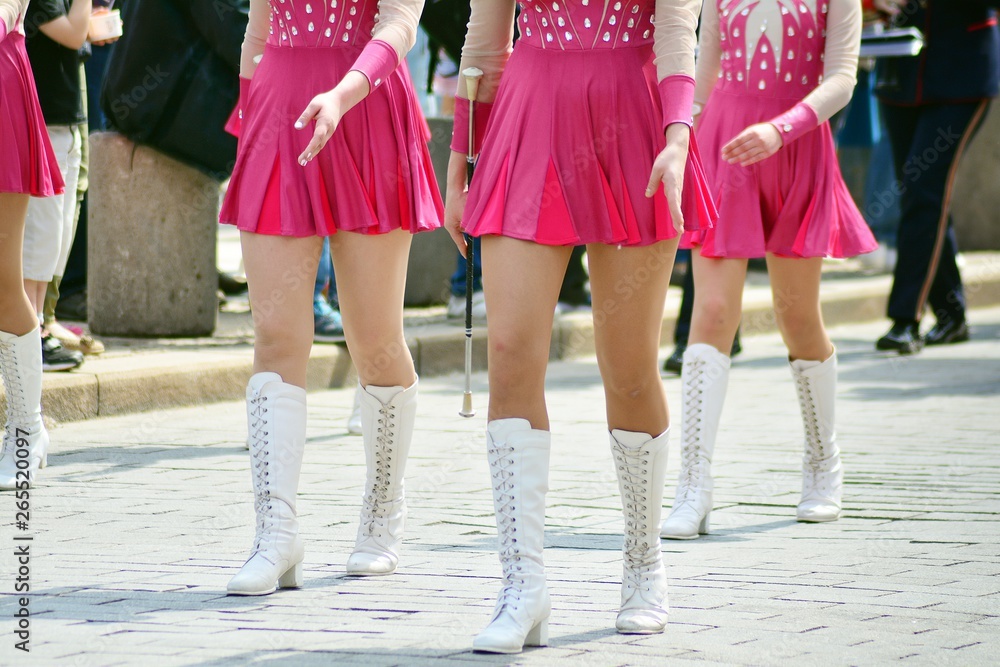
387,416
276,416
519,467
704,379
25,440
822,475
641,465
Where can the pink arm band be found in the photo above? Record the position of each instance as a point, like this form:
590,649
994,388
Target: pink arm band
3,30
677,98
460,134
795,122
377,61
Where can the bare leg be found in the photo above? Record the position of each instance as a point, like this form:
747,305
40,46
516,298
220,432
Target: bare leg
371,279
521,281
795,289
16,313
629,289
281,272
718,300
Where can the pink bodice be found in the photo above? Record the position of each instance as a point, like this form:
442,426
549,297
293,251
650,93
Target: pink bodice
772,48
321,23
586,24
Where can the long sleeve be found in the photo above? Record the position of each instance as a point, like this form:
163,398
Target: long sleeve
673,54
10,12
488,45
255,38
709,53
394,36
840,72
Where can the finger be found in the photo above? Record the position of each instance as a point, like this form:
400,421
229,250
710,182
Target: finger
319,139
676,214
454,227
655,179
740,140
742,154
307,115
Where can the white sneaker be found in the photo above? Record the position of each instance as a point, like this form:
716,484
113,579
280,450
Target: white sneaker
456,306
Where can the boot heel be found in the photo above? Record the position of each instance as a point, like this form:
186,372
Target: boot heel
703,526
292,578
539,635
45,461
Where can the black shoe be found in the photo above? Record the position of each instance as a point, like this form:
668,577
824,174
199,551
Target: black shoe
903,337
737,346
231,285
55,357
946,331
675,362
72,307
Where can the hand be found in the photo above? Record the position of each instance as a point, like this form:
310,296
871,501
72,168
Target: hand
326,110
668,171
757,142
101,11
890,7
454,200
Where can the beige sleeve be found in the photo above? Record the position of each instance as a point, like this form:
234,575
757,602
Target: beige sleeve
840,65
709,53
674,37
397,24
10,12
488,44
256,36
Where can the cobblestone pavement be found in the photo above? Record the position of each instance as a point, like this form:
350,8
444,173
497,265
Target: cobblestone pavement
139,522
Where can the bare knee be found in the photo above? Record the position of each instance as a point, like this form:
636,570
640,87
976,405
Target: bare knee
516,366
717,316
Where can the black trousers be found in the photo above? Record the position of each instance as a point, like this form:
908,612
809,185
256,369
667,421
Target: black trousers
927,144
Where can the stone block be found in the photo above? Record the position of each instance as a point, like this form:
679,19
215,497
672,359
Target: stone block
976,198
151,242
433,254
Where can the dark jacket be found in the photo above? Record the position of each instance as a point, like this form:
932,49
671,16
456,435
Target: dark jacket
173,79
961,59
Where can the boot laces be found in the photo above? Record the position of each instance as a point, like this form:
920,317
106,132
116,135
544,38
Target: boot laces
638,551
17,411
377,500
815,482
501,462
260,450
691,470
815,448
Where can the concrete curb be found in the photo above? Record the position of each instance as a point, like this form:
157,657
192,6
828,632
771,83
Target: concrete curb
159,379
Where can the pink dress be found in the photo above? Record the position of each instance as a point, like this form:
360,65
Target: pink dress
792,63
27,162
576,117
375,174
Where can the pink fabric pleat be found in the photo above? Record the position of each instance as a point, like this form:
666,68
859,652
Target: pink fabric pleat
569,150
373,176
793,204
28,164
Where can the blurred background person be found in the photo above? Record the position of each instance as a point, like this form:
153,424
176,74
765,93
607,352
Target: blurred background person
933,104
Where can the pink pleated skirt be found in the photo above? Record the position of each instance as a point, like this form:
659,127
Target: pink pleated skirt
373,176
569,150
28,164
793,204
